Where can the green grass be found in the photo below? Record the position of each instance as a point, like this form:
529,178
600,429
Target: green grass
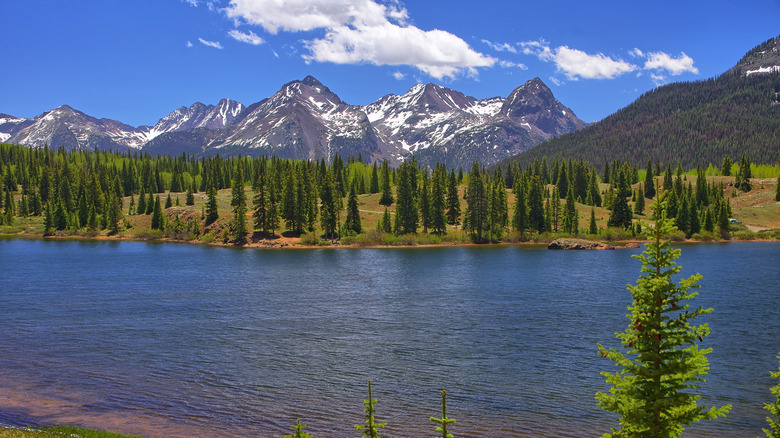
59,432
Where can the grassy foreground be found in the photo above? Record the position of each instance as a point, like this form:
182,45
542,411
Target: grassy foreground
59,432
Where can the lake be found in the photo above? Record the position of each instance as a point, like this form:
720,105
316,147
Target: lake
187,340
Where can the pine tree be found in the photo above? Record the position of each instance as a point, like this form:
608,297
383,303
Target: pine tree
453,200
406,207
649,183
774,408
299,433
725,167
777,190
352,222
168,201
621,214
212,210
639,205
520,218
190,199
238,202
60,217
424,197
370,429
149,203
328,207
386,224
444,421
374,185
387,198
536,205
158,221
259,204
141,202
438,201
593,229
569,214
477,204
48,221
662,366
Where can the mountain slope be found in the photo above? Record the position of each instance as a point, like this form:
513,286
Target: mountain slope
306,120
435,123
693,123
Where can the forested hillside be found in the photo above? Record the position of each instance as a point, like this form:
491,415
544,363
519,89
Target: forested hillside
693,123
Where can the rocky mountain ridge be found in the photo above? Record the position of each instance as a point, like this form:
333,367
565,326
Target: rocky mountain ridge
306,120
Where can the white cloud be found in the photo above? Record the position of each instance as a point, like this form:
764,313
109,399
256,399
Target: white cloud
191,2
214,44
675,66
249,38
578,64
510,64
363,31
636,53
501,47
556,81
398,75
189,44
539,48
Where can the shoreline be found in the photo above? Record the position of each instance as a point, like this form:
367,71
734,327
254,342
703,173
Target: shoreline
289,245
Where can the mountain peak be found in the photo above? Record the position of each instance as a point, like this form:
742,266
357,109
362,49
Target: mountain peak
311,81
764,58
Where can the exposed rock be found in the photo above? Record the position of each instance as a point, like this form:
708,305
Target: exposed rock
578,244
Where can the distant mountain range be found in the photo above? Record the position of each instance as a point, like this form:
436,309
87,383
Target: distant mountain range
305,120
691,123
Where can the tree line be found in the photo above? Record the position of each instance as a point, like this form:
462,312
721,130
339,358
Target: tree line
82,190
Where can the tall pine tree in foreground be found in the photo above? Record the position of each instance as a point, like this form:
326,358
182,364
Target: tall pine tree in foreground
299,433
661,364
370,429
443,422
774,408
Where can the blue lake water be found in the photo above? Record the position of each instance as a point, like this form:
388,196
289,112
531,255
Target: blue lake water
186,340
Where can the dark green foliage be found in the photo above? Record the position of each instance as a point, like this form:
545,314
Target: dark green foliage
774,408
444,421
370,428
694,122
661,365
621,215
212,210
570,217
158,220
385,224
536,205
639,205
406,206
438,201
476,204
168,201
725,166
352,222
328,207
649,182
238,202
60,217
260,204
374,185
743,175
520,217
48,221
387,197
593,229
777,190
453,200
299,433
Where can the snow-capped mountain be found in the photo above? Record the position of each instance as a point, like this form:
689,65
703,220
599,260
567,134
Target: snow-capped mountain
72,129
306,120
438,124
303,120
198,115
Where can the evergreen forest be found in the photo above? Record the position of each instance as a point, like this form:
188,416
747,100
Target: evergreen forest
264,201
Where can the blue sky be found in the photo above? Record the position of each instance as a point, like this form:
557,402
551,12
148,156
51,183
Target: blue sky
137,60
